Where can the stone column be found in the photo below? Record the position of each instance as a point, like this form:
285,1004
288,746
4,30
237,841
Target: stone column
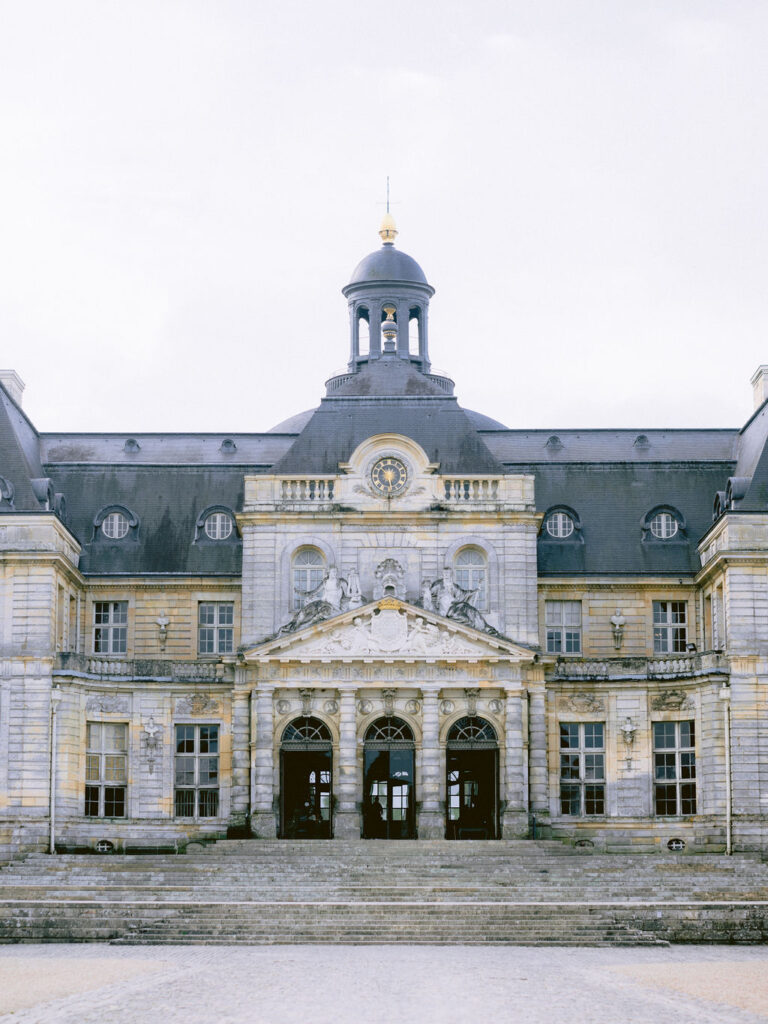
346,823
537,757
263,818
431,818
514,823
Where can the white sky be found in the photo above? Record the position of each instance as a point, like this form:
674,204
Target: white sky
185,187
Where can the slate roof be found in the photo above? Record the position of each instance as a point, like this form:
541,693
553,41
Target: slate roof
611,479
389,396
168,502
19,457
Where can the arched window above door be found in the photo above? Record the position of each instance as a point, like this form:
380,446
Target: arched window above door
389,730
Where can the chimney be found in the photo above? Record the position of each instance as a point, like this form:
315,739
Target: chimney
14,385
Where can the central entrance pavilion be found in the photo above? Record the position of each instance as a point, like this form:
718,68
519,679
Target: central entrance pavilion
392,722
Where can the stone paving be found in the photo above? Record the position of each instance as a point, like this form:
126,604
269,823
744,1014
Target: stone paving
79,984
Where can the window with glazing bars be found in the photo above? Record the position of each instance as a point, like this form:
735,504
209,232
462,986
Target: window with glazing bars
106,773
670,631
582,768
563,624
110,627
196,793
215,627
674,768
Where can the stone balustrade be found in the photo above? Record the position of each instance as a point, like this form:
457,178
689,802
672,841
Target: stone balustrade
472,489
94,667
318,488
641,668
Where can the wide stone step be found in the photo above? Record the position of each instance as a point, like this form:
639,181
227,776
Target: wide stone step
321,923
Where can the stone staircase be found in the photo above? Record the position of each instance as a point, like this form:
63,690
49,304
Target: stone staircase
437,892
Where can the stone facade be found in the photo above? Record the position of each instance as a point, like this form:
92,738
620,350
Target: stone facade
386,685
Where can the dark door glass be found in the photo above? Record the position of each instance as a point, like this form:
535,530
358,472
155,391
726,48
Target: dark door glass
306,794
388,797
472,794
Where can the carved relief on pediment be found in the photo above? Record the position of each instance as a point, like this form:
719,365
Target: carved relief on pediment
389,631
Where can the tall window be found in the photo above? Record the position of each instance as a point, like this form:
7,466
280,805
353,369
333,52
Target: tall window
472,574
670,634
563,625
105,769
582,768
110,627
196,791
215,627
674,767
308,573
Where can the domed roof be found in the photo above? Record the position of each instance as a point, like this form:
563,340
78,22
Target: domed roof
388,264
294,424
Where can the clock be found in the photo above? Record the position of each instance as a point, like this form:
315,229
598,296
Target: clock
389,476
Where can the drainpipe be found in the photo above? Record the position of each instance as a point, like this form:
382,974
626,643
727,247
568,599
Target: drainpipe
725,697
56,696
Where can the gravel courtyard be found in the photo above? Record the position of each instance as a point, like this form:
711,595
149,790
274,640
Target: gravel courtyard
77,984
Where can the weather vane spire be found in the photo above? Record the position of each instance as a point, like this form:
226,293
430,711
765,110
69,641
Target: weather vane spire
388,231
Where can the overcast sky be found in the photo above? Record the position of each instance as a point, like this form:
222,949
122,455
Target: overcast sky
185,187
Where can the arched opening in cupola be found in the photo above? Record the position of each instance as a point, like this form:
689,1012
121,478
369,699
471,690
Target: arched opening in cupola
363,332
414,331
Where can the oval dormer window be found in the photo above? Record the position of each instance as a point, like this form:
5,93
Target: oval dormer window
663,525
559,525
114,526
218,526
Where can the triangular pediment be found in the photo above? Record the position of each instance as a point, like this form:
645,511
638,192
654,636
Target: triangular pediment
388,630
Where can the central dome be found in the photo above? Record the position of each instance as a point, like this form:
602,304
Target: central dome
388,264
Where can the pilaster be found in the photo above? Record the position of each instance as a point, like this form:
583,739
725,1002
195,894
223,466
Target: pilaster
347,818
263,818
431,819
514,823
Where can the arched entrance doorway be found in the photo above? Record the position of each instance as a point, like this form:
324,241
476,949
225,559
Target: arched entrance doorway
472,786
305,780
388,804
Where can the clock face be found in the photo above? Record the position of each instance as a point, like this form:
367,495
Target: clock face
389,476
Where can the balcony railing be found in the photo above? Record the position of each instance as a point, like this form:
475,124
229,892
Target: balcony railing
95,667
641,668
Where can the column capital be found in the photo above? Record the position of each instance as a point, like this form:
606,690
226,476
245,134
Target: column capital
347,689
512,690
430,689
264,689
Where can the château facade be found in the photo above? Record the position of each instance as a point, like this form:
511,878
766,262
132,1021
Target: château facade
387,617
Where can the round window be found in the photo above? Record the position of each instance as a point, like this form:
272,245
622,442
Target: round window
559,524
663,525
218,526
115,526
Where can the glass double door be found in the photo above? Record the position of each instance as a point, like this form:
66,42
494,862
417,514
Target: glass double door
472,794
305,804
388,804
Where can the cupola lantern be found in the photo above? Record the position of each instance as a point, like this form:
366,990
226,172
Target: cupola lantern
388,300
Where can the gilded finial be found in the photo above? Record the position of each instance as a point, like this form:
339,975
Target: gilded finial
388,231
